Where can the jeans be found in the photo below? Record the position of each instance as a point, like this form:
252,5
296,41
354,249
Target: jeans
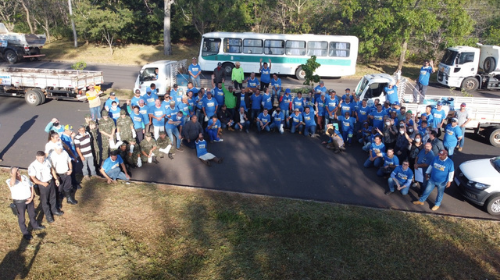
224,125
377,162
212,134
310,130
367,147
139,135
430,187
347,135
196,81
171,133
259,128
292,129
95,113
450,150
116,173
286,114
200,115
462,141
278,126
275,93
392,184
88,164
382,171
245,126
419,93
21,215
328,120
254,113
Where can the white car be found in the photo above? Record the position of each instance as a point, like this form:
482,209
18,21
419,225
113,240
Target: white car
479,182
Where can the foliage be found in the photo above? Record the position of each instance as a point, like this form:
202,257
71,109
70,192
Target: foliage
309,68
80,65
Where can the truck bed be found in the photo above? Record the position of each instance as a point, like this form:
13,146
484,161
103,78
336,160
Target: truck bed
49,78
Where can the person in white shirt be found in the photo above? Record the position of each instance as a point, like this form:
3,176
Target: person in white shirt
23,193
61,162
44,176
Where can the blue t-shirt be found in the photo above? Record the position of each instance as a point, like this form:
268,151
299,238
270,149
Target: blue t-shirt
199,101
320,88
193,90
170,113
392,94
275,83
451,135
424,158
425,74
321,106
298,103
430,119
285,102
267,100
347,124
346,107
194,69
256,100
378,119
69,142
363,113
109,101
149,99
331,103
219,95
390,161
440,170
296,118
144,111
135,101
309,118
265,75
264,119
242,101
137,120
114,113
215,125
201,147
278,118
253,83
184,108
109,164
375,149
404,177
438,117
175,118
158,112
210,106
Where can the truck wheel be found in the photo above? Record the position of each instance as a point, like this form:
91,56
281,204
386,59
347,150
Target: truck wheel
41,94
10,56
33,98
470,84
495,137
489,64
493,205
300,74
228,68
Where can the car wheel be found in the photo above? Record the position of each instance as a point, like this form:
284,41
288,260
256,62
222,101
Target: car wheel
470,84
493,205
495,137
10,56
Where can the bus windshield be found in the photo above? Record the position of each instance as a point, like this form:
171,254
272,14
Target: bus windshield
210,46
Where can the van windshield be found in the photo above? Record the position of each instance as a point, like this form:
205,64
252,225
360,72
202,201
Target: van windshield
449,57
496,163
149,74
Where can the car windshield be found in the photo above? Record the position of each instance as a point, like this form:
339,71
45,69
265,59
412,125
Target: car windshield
449,57
496,163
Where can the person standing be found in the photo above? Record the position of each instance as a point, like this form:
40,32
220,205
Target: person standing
94,103
265,74
237,76
439,174
285,101
43,174
253,82
61,162
125,127
107,130
438,118
137,121
424,158
463,118
452,136
109,102
174,128
195,72
275,86
157,118
22,194
229,99
135,100
84,149
423,81
219,74
391,92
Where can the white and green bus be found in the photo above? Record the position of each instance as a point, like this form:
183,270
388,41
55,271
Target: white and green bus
336,54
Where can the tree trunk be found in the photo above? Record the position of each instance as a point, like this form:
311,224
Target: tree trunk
28,20
404,47
167,43
72,23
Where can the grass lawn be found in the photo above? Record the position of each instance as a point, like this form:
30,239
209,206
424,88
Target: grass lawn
145,231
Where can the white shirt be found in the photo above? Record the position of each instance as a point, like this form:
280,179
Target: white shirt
21,189
50,146
60,161
42,171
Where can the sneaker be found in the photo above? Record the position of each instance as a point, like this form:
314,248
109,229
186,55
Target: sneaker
170,156
435,207
230,129
418,202
459,149
247,131
127,183
388,193
300,132
181,149
220,140
86,178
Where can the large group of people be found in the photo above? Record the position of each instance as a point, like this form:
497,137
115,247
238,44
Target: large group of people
117,137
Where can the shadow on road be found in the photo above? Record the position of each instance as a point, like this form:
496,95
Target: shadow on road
23,129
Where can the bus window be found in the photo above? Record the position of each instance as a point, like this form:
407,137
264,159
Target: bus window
295,48
232,45
210,46
317,48
252,46
276,47
340,49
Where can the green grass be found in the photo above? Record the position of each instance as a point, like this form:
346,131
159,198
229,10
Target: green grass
145,231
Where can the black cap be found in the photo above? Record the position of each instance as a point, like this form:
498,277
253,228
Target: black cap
115,152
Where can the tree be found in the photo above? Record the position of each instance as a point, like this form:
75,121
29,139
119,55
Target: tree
167,42
309,68
72,23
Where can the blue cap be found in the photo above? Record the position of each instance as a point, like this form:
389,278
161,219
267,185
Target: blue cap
439,103
288,90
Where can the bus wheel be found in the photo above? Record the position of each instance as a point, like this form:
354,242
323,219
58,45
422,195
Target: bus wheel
228,68
300,74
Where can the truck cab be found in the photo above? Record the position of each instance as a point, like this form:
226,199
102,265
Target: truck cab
162,73
372,86
458,68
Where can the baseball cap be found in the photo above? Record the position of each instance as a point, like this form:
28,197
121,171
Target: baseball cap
439,103
163,133
288,90
112,94
348,89
395,103
409,112
463,105
219,64
68,127
193,57
115,152
454,120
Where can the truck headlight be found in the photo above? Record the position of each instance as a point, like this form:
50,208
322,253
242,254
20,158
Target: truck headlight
480,186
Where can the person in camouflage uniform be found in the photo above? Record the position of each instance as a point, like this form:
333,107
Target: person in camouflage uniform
164,145
148,146
124,154
136,153
107,131
124,127
91,127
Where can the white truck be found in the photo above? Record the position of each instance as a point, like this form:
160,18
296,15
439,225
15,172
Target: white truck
484,112
470,68
164,74
36,85
16,46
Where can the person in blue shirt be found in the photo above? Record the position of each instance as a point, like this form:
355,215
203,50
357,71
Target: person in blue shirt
144,111
256,99
203,154
310,124
391,92
439,174
173,127
112,98
138,122
376,153
297,121
198,101
278,120
152,88
194,72
362,113
298,102
348,93
114,111
194,90
347,127
135,100
422,161
320,108
263,121
209,106
110,168
423,81
150,98
378,117
170,111
428,115
346,106
439,117
157,114
401,177
321,87
331,107
267,101
54,125
275,86
364,134
285,101
218,93
176,94
252,82
213,129
390,163
452,135
265,74
185,108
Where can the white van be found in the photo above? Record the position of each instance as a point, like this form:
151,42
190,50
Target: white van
163,73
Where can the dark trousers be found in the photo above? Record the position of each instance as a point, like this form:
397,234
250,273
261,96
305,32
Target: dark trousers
237,85
139,134
65,183
263,86
21,215
48,198
191,144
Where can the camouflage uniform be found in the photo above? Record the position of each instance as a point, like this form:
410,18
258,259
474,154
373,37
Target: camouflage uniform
147,146
107,126
162,143
136,152
124,124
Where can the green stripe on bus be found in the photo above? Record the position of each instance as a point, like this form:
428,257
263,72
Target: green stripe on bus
277,59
